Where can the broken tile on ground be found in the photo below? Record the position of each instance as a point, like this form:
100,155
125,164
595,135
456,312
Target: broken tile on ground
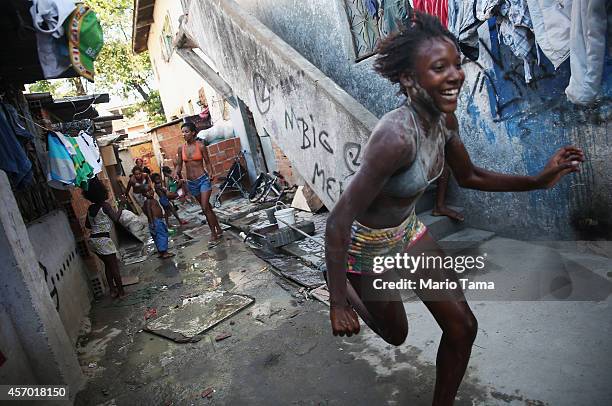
321,293
197,315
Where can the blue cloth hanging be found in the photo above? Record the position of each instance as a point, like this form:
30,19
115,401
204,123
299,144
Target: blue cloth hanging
62,174
13,158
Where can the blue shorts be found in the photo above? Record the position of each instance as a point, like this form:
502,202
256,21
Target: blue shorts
163,200
199,185
159,232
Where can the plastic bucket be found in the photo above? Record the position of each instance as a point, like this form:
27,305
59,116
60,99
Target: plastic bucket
285,216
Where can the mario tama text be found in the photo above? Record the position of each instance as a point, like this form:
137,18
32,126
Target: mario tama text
431,284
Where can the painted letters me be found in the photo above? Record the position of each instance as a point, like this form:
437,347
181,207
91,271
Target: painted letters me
329,185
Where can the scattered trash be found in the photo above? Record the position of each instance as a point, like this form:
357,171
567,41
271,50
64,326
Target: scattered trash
150,313
92,365
207,393
163,288
222,336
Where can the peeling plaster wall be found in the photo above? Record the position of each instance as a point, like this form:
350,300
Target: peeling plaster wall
316,124
62,269
506,125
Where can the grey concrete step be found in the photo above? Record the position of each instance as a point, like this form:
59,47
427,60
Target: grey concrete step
441,226
465,239
527,271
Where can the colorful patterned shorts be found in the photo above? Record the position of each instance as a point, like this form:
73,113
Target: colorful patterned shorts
368,243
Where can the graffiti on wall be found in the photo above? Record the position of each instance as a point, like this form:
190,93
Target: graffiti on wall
145,152
302,130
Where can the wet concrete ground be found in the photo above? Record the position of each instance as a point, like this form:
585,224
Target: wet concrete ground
281,350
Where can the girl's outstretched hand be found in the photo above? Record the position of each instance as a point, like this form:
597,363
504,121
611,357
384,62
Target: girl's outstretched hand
564,161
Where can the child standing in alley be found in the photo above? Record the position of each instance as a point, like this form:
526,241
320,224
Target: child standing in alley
157,226
164,199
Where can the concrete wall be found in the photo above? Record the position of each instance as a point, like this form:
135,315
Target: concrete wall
35,330
506,125
16,369
316,124
62,269
177,94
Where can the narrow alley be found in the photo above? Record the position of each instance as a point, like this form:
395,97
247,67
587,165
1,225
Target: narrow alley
279,348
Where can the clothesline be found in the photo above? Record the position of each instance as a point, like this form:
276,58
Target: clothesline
33,122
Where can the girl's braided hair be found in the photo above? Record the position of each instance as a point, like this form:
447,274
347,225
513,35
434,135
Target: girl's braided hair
397,52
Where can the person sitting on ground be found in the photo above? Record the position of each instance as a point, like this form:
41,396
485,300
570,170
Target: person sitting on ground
141,182
100,217
157,226
194,154
164,200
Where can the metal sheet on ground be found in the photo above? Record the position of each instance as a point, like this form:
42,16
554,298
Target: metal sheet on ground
197,315
307,250
296,271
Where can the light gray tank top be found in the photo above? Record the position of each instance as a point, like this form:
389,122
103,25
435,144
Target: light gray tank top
412,181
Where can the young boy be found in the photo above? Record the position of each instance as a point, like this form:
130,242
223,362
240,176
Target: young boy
176,188
157,227
164,199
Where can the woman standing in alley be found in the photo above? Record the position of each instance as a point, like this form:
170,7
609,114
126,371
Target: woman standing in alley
375,216
100,217
194,155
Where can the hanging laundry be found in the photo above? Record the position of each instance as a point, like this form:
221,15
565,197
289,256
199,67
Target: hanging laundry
462,22
13,158
513,24
16,123
587,50
551,25
516,31
438,8
372,7
62,174
90,150
84,171
52,55
48,16
395,13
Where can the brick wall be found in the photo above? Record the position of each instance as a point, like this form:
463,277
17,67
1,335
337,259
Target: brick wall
169,138
221,154
284,166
